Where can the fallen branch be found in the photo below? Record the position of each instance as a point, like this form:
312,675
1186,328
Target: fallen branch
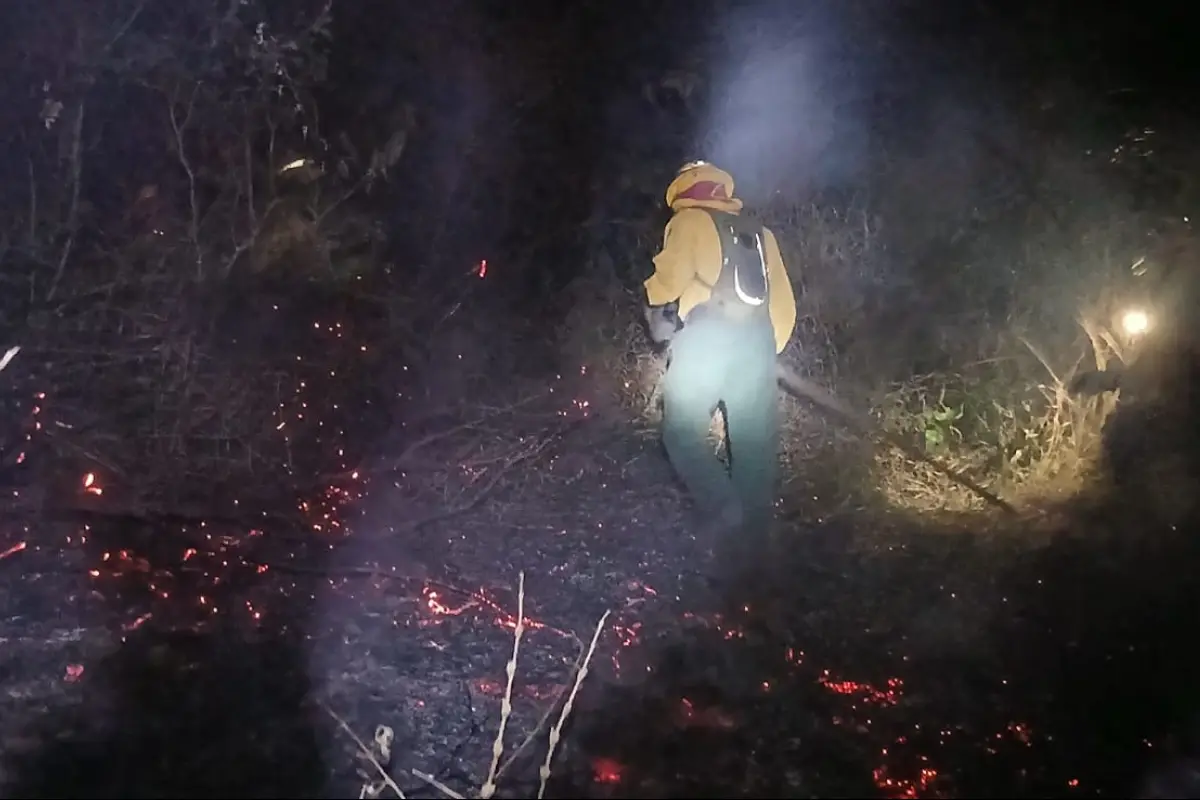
88,510
435,783
404,459
822,398
482,494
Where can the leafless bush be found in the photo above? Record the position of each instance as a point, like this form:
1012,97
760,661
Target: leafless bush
176,166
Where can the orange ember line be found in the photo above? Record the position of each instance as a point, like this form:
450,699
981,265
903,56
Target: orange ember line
884,697
432,600
532,691
437,607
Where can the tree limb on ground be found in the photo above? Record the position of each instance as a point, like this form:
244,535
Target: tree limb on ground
523,458
804,389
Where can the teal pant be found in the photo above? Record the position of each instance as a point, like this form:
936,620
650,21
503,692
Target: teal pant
716,363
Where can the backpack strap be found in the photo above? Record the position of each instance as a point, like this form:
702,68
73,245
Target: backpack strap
742,288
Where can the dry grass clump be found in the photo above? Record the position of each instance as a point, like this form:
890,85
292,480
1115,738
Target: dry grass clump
1022,438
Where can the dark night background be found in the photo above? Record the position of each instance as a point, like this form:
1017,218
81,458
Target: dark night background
329,329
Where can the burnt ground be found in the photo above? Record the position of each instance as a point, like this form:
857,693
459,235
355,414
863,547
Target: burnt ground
890,655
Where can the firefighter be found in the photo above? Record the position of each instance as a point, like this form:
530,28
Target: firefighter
721,296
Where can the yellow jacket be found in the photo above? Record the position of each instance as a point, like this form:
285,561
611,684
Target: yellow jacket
690,259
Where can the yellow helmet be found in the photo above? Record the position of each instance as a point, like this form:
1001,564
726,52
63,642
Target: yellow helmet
692,165
703,183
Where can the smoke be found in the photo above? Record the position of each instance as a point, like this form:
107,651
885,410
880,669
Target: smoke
786,108
816,96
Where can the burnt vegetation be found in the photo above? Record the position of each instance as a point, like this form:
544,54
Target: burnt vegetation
329,327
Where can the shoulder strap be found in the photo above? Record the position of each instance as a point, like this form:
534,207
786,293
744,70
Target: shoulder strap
743,259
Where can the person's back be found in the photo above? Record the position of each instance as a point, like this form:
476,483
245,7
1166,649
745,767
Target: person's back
735,299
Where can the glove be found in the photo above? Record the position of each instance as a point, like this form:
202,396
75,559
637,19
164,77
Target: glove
662,323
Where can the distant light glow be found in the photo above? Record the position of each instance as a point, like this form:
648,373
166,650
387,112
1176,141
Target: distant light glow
1135,322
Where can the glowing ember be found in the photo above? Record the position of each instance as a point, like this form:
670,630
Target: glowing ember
865,691
540,692
192,586
16,548
607,770
919,786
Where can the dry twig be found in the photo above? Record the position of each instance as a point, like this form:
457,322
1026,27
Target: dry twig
8,356
499,473
366,753
556,731
489,786
435,783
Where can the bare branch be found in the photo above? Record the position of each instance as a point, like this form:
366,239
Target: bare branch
73,210
125,26
178,128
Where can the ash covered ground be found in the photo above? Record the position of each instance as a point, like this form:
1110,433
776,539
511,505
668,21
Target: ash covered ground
888,655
